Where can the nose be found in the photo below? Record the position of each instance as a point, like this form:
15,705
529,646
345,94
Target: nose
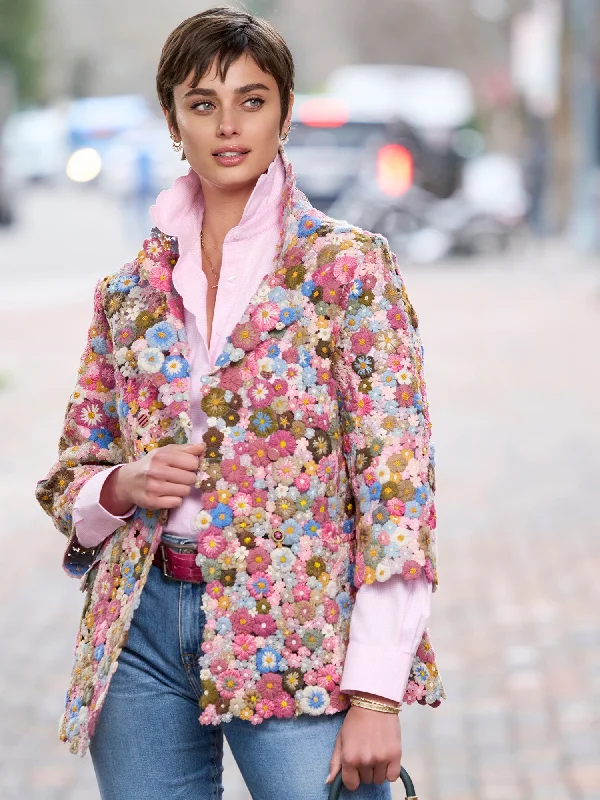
228,125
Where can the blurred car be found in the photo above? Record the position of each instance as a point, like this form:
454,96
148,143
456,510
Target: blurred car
35,145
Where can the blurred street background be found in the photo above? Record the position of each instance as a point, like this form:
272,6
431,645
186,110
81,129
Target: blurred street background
466,131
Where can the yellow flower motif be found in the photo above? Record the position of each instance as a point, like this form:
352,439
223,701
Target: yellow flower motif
310,467
369,575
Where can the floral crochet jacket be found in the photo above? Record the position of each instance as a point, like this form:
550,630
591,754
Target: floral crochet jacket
318,474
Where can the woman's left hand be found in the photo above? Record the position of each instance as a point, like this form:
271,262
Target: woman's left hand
368,748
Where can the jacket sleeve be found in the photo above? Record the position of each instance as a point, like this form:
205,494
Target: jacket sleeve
385,424
91,437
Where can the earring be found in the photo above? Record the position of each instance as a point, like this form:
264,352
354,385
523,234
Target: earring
177,146
284,138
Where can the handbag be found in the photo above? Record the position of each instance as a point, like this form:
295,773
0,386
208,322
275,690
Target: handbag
336,786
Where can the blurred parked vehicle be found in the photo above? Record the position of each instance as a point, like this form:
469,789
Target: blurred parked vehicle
35,145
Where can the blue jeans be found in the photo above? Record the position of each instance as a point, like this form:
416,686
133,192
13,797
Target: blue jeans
149,745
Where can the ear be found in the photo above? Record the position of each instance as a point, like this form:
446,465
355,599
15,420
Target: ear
172,125
288,116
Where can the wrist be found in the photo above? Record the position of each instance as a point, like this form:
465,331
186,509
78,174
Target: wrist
114,496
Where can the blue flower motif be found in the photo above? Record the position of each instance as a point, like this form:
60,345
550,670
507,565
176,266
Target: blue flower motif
421,495
348,526
307,225
391,550
267,660
238,433
308,287
277,294
315,698
352,322
101,436
309,376
122,408
292,531
221,515
273,350
413,509
261,420
98,652
99,345
333,505
223,625
175,367
364,498
375,490
123,283
357,288
344,604
288,315
418,401
311,528
110,409
351,571
420,673
388,378
222,360
391,407
280,366
161,335
129,585
304,357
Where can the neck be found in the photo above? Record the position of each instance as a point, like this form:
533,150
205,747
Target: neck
223,209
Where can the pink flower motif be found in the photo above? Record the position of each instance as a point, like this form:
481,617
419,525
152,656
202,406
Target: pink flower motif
263,625
258,559
231,379
411,570
91,415
214,589
338,700
259,584
244,646
332,291
302,482
428,570
100,632
284,705
332,610
160,278
323,274
260,393
265,708
146,396
364,407
245,336
279,387
327,676
395,506
269,685
362,341
310,677
241,503
413,692
266,316
396,317
344,268
320,509
211,542
209,500
229,682
258,453
218,666
405,395
326,466
293,642
283,442
301,592
383,538
241,621
230,468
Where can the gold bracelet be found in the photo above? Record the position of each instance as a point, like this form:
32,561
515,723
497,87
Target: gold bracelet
374,705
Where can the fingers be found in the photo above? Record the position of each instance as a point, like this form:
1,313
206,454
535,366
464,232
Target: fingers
336,760
174,475
350,776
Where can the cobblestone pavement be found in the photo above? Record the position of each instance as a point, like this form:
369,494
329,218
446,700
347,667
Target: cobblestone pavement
512,368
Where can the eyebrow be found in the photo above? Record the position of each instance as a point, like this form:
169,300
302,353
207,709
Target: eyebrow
249,87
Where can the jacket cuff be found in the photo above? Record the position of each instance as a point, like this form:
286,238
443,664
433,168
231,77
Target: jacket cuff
93,523
376,669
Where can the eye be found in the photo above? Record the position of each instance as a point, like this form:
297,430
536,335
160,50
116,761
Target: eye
257,102
199,106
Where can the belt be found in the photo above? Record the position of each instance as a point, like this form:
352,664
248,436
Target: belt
178,562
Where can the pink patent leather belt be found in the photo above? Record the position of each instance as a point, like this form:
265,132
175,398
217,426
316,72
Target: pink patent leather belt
178,563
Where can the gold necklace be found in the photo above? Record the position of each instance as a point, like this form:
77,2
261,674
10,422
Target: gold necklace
212,269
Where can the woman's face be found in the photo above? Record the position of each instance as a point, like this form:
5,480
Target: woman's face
230,129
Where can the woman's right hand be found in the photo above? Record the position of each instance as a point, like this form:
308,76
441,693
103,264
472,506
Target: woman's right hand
161,479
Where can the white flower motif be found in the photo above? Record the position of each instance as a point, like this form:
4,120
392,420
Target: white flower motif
150,360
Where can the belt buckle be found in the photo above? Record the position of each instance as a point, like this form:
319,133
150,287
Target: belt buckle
184,548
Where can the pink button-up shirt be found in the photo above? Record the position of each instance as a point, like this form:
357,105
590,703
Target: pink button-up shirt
388,618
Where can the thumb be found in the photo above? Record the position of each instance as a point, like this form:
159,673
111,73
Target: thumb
198,447
335,764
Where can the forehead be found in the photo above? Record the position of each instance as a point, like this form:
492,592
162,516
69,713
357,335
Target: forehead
242,71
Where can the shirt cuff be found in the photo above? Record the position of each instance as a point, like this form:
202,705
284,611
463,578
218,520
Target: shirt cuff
93,523
386,627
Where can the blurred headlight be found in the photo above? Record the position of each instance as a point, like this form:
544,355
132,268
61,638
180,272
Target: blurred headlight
394,169
84,165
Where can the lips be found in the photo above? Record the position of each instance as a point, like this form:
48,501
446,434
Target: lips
233,150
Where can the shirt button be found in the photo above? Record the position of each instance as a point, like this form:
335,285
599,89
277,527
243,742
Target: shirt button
231,278
236,235
273,453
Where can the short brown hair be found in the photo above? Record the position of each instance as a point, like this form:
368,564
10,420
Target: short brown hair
223,34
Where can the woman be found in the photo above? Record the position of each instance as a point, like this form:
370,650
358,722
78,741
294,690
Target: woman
250,420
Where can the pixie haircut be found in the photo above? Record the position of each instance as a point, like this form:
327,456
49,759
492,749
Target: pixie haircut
223,34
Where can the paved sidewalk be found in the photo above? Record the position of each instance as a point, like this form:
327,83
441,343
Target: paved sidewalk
512,369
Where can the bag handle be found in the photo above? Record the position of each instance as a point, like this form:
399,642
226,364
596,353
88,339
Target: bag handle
336,786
